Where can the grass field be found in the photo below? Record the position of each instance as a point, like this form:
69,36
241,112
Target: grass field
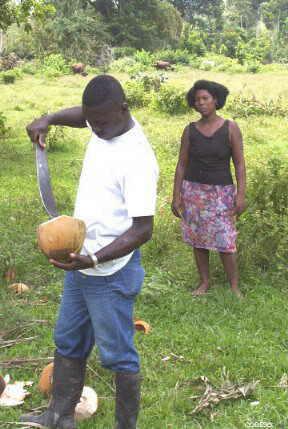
216,336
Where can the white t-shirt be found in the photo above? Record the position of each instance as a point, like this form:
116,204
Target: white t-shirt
118,182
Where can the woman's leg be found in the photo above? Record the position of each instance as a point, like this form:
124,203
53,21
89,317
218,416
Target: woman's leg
229,261
202,262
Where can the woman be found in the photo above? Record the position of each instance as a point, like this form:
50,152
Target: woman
204,195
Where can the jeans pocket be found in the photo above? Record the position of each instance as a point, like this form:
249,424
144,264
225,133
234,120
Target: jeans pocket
128,281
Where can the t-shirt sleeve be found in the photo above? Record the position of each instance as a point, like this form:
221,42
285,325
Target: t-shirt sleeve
140,185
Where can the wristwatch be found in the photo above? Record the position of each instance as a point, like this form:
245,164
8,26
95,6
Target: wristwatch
94,259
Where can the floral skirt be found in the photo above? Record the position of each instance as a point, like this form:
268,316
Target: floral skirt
208,221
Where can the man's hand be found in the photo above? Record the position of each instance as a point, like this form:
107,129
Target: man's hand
38,130
77,262
240,205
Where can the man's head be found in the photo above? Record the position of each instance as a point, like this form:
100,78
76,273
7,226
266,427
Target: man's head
105,108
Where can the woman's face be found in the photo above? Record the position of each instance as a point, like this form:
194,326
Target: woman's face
205,103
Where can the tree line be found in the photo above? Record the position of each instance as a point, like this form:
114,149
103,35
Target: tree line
81,28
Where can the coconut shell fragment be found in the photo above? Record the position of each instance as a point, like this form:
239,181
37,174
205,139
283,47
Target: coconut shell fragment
46,379
2,385
140,325
19,288
61,236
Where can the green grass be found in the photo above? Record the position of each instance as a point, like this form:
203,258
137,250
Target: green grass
215,334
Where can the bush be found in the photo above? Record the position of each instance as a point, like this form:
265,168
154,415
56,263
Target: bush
244,106
136,94
123,51
9,77
127,65
177,56
150,82
144,57
55,65
170,100
221,63
193,41
3,127
263,239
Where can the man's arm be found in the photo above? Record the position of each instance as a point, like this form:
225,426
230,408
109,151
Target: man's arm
140,232
71,117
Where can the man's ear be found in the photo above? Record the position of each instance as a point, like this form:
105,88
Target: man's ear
125,106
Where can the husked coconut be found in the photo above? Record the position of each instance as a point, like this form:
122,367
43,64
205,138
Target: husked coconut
19,288
61,236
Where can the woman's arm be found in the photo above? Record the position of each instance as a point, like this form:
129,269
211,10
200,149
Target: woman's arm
239,165
179,173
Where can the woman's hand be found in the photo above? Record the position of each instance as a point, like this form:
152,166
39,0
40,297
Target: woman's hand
177,207
77,262
240,205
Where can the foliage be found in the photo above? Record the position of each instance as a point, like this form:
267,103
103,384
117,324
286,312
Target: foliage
150,82
265,225
142,24
245,106
192,40
3,125
123,51
170,100
256,49
55,65
175,56
136,95
9,77
22,11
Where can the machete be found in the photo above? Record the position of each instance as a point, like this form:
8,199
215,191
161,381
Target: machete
44,182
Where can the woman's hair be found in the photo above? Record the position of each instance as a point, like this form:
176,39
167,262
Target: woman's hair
218,91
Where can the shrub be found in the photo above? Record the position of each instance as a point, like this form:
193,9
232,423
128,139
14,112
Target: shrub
127,65
144,57
170,100
55,65
9,77
150,82
177,56
123,51
3,127
244,106
263,238
136,94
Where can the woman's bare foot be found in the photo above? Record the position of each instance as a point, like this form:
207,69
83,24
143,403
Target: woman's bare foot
201,290
237,292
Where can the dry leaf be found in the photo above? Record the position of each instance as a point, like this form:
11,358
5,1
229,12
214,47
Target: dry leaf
10,274
212,396
14,393
284,381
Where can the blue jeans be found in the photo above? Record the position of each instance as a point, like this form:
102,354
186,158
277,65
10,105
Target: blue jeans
99,310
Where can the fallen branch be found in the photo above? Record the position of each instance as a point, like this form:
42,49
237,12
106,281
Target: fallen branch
22,361
10,343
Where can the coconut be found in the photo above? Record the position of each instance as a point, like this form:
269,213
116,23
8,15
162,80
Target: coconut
61,236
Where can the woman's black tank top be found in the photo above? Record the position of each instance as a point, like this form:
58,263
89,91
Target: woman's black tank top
209,157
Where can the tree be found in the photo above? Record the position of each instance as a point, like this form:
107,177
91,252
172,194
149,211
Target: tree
11,12
147,24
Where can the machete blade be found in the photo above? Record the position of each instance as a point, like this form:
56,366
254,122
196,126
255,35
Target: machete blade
44,182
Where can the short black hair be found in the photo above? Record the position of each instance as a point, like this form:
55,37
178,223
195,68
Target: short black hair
220,92
103,88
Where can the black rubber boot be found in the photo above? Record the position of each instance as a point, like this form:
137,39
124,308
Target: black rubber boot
68,382
127,400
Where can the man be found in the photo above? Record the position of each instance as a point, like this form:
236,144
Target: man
116,199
